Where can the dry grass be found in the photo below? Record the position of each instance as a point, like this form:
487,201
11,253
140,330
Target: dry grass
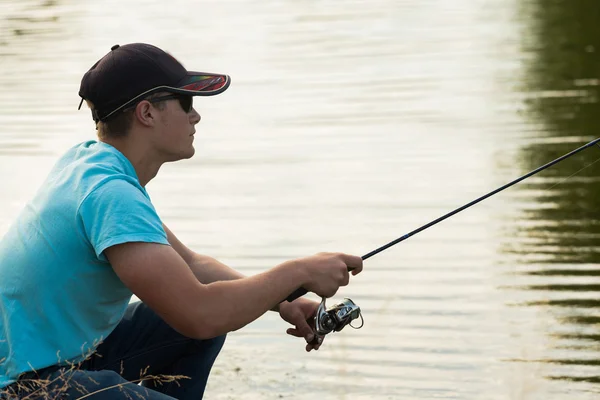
53,389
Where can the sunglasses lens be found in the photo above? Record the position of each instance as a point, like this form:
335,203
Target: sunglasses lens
187,102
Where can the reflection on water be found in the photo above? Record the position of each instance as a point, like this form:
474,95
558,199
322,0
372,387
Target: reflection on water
557,238
346,126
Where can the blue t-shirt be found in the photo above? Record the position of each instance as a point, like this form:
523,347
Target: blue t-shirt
59,295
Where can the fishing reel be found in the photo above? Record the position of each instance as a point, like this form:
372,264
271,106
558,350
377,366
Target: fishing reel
335,318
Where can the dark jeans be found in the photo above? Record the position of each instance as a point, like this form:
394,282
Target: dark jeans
141,345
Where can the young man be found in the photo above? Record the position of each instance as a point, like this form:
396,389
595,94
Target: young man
91,238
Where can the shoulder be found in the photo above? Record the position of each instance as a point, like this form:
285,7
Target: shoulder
95,156
118,211
116,192
96,169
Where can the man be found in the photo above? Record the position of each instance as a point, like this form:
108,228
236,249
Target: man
91,238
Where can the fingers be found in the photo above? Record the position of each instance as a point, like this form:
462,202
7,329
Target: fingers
294,332
302,329
354,263
311,344
316,344
346,279
329,293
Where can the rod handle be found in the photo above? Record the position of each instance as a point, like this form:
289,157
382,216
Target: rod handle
297,293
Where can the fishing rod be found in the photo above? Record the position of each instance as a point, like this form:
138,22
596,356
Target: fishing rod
301,291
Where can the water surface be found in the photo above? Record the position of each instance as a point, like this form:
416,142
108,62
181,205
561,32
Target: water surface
346,126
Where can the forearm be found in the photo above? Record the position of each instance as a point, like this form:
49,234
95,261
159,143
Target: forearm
236,303
208,270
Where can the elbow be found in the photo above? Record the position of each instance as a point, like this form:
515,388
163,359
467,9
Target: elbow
196,328
203,329
211,327
199,332
205,333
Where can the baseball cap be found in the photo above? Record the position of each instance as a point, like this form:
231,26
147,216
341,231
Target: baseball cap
129,73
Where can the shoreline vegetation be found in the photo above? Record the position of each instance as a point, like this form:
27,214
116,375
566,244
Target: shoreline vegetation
53,389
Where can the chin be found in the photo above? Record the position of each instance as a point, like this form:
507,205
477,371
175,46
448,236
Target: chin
183,155
189,154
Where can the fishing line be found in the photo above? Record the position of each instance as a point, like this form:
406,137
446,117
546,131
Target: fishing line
573,174
301,291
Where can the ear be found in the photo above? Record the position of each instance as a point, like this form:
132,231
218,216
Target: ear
145,113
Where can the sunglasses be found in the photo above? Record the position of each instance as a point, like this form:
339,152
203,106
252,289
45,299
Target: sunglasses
186,102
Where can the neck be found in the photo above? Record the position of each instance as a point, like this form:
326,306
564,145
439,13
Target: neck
146,166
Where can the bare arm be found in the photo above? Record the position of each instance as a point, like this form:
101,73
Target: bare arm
203,298
161,278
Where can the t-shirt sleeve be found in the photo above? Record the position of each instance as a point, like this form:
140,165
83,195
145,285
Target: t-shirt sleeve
118,212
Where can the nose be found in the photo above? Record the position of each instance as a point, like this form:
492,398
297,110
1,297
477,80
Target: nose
195,117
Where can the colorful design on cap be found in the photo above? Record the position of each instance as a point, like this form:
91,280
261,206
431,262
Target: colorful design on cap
204,83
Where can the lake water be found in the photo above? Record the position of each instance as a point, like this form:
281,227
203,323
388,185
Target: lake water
347,125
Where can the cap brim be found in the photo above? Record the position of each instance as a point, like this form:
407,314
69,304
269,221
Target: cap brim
193,84
203,84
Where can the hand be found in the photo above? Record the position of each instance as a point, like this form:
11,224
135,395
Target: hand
296,313
328,271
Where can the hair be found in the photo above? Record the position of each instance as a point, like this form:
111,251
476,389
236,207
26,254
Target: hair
118,125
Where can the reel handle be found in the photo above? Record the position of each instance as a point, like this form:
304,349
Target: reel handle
315,324
317,339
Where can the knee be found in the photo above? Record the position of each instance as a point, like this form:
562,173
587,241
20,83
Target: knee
216,343
209,347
